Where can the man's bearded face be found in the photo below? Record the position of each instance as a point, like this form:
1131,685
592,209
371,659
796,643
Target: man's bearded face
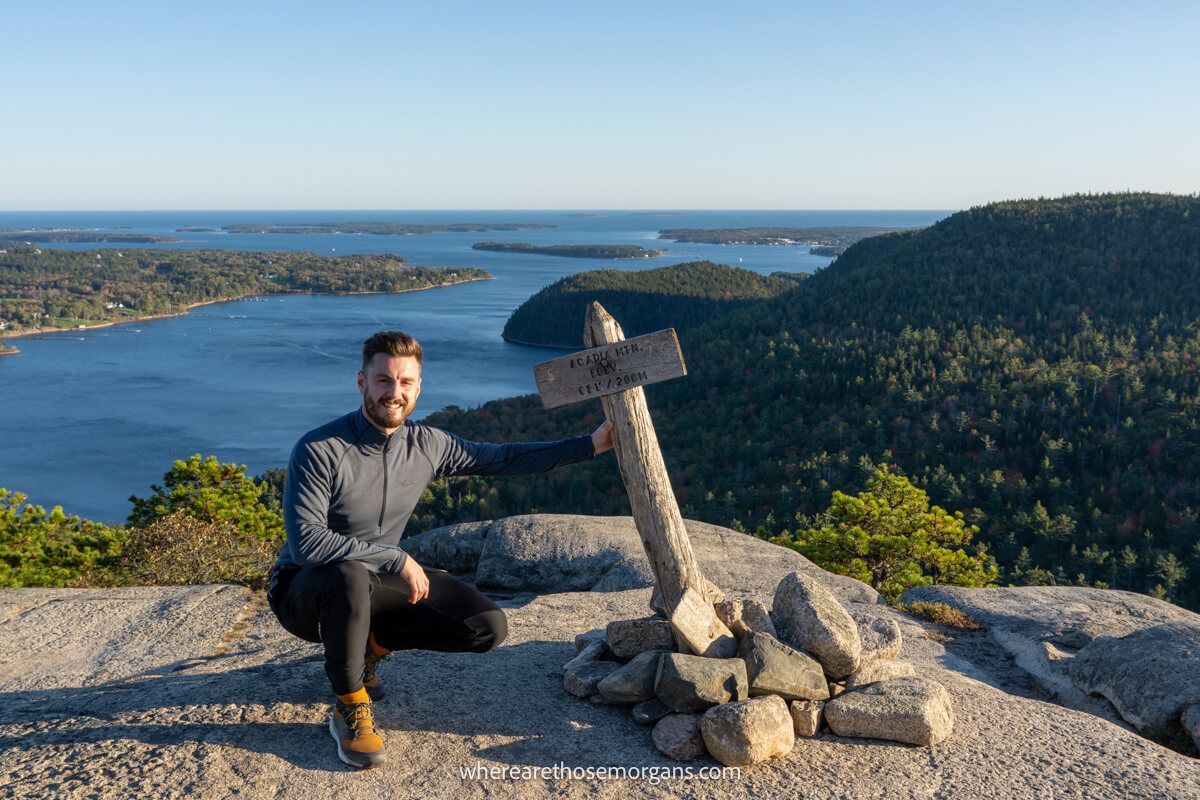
390,386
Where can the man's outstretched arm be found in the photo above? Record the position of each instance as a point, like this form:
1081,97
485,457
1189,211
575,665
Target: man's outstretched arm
458,456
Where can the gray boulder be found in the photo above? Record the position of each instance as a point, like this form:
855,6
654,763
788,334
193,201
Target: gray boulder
1191,723
688,683
1151,676
678,736
810,618
911,710
553,552
567,552
880,636
633,682
711,592
774,668
807,716
1041,628
698,629
628,637
760,565
649,711
748,732
583,679
582,640
875,671
634,574
744,617
592,652
454,548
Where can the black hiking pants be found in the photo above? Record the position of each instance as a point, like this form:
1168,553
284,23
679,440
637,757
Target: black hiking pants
341,604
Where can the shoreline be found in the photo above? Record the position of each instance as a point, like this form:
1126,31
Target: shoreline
511,340
188,308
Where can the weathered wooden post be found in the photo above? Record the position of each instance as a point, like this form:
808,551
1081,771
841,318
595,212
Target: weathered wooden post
615,369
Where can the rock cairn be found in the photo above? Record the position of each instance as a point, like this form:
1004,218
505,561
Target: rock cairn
743,685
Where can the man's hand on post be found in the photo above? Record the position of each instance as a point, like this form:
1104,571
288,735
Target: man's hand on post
418,582
602,438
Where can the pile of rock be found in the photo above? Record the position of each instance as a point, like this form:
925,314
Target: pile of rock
743,684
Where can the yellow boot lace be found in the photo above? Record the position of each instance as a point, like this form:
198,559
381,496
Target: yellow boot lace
359,719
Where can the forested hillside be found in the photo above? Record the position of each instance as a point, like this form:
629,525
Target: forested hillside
1031,363
681,296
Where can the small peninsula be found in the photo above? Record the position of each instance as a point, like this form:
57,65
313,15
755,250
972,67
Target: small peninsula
382,228
829,241
613,251
76,235
680,296
47,290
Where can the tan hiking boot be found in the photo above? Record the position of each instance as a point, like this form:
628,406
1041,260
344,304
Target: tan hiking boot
352,726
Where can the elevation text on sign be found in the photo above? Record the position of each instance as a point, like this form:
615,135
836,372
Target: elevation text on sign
610,368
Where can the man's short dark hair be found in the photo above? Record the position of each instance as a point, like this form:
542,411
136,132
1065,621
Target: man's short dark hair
392,343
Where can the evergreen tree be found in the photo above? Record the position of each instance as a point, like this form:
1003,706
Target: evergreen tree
890,537
210,491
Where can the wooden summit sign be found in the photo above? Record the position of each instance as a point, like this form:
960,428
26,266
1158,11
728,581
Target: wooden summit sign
615,369
610,367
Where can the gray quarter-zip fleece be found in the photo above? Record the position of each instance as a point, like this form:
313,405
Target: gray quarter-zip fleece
351,488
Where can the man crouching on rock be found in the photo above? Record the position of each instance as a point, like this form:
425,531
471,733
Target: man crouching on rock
342,579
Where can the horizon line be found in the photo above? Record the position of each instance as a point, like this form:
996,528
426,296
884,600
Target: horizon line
664,210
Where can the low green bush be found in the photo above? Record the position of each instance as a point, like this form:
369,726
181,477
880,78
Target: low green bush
40,548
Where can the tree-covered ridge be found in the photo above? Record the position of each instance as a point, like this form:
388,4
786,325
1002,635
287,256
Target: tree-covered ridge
1041,264
681,296
825,238
50,235
571,250
45,288
1033,364
381,228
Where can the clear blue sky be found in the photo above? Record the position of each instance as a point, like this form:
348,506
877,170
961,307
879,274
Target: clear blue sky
161,105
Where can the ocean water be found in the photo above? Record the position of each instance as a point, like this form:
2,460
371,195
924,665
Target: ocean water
91,417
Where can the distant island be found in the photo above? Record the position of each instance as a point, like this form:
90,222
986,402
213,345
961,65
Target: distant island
614,251
75,235
382,228
196,229
54,290
681,296
831,241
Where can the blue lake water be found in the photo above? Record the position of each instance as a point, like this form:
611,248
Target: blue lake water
91,417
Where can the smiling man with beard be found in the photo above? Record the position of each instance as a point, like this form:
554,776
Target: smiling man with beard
342,579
